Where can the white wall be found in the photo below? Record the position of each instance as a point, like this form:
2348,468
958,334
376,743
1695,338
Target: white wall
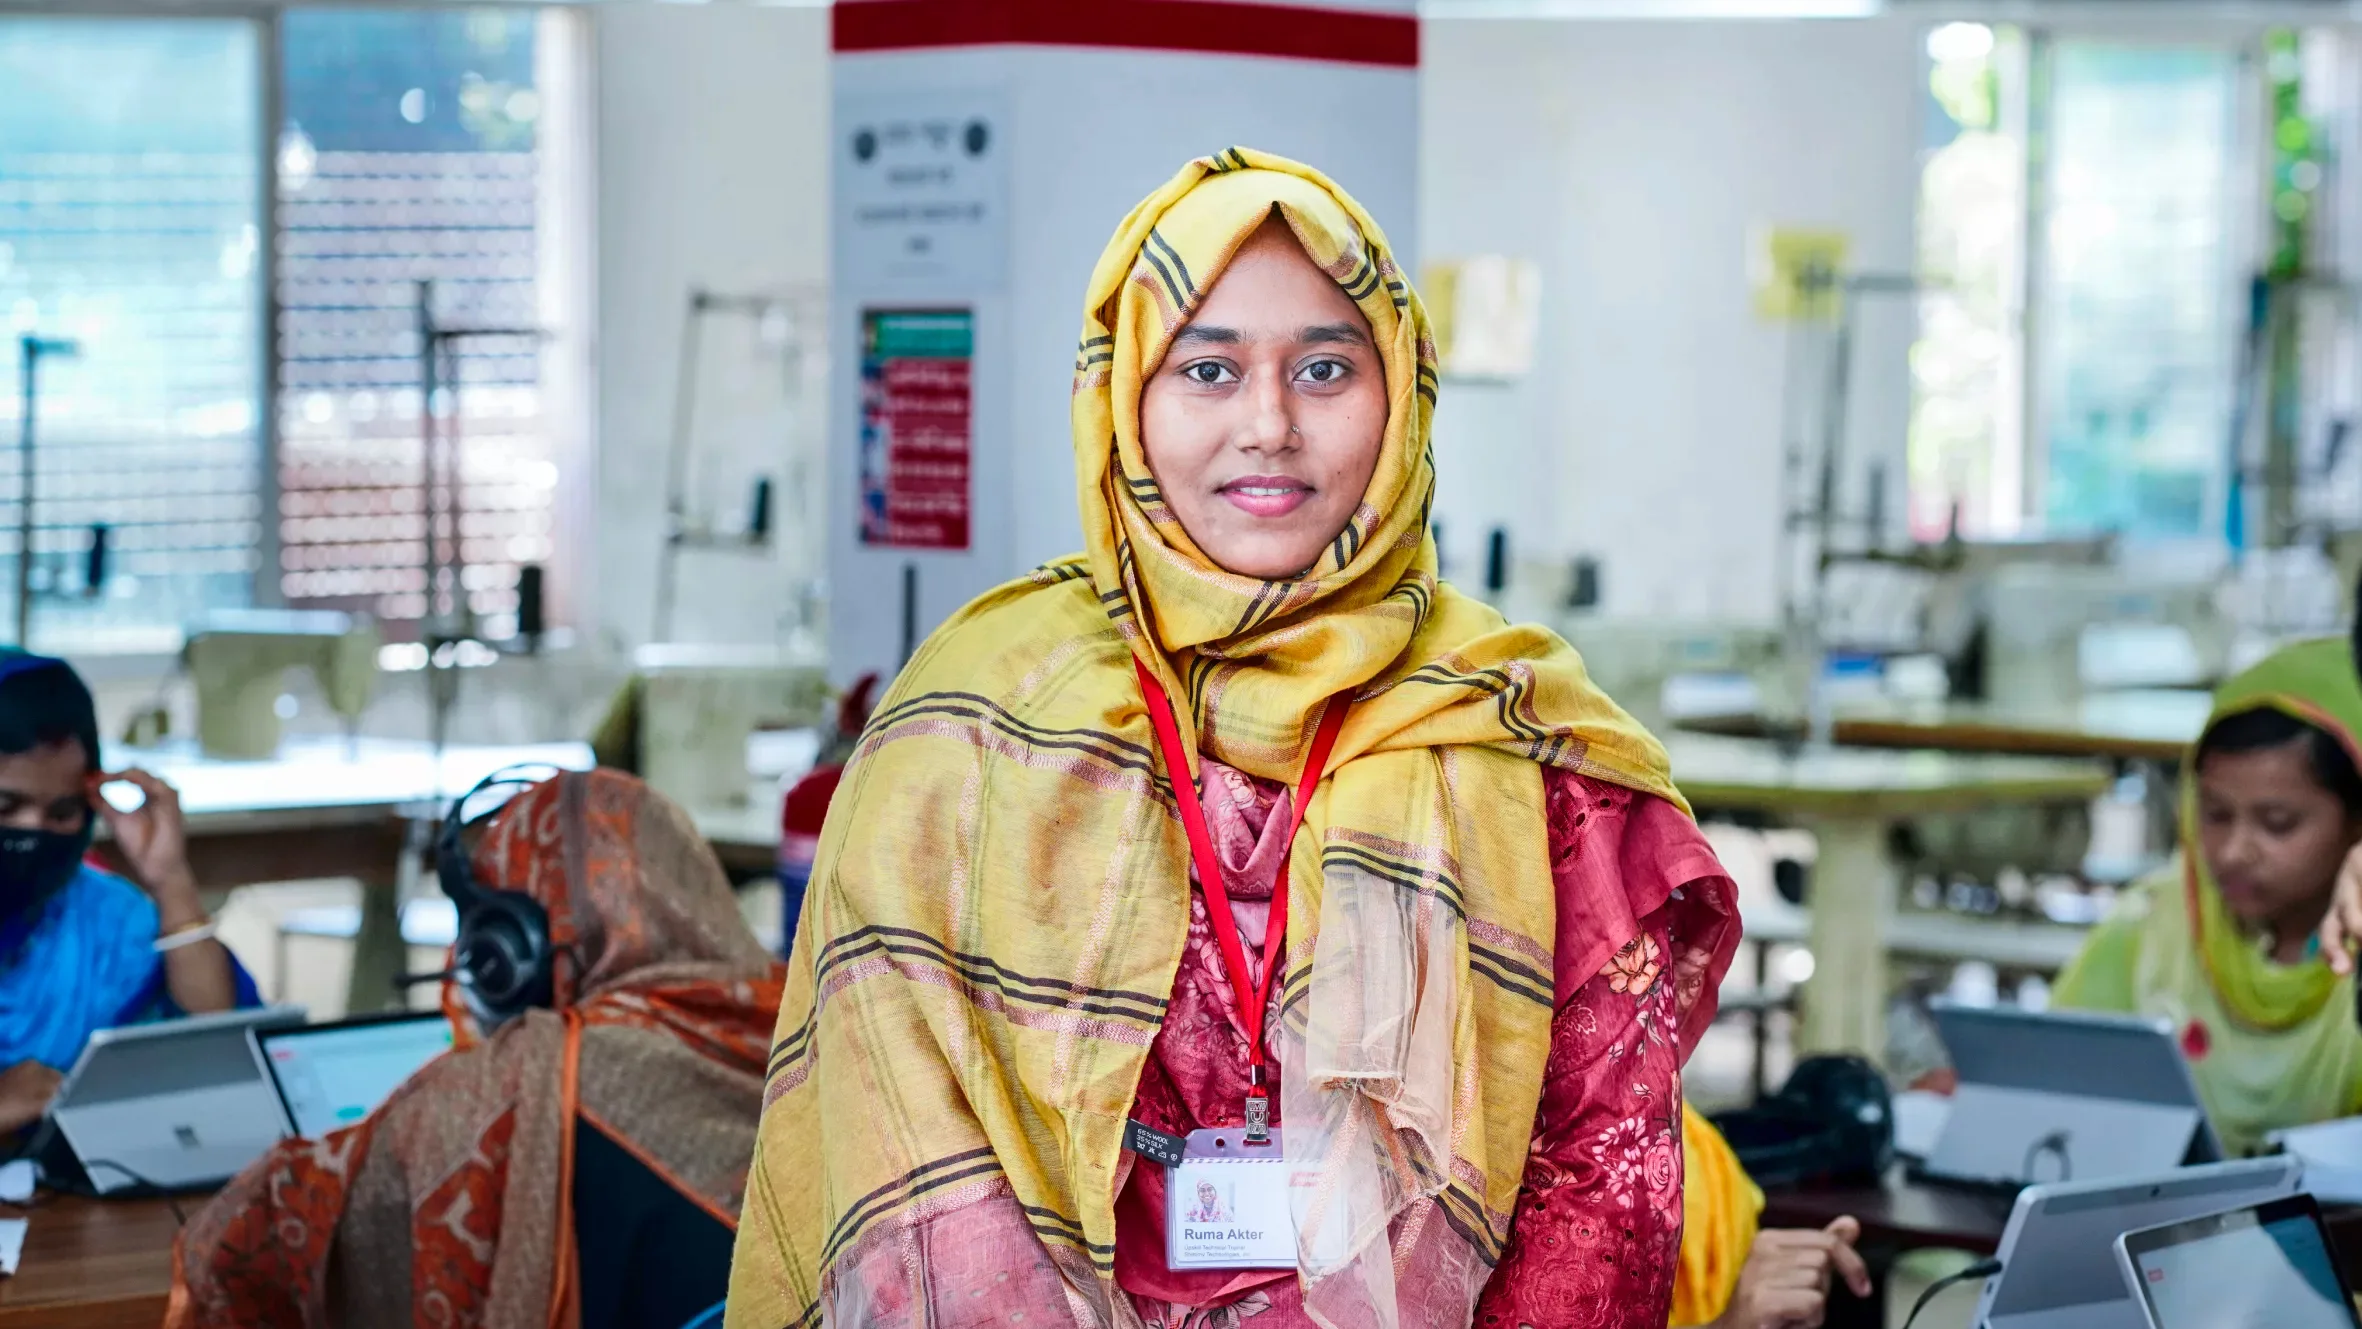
1092,133
712,170
1631,160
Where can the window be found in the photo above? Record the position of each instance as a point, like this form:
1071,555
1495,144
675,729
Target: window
1966,417
2135,353
222,463
130,201
2083,232
407,170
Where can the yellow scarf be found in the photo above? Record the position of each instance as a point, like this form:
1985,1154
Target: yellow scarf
1001,894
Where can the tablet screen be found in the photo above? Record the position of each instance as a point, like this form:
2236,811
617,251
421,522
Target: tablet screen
2266,1267
331,1076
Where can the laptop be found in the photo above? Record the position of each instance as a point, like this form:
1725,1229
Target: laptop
2050,1096
2259,1266
2055,1267
328,1076
173,1105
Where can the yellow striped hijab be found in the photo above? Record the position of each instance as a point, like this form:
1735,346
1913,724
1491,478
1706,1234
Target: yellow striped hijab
1001,894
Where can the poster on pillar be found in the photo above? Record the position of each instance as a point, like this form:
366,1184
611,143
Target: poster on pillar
922,189
917,427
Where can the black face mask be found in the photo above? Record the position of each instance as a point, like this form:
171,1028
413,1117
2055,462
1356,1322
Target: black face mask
35,865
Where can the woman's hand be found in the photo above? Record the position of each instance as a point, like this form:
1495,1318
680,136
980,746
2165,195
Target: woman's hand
25,1091
1785,1282
154,843
2341,927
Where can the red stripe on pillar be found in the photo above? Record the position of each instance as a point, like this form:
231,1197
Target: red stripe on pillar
1222,27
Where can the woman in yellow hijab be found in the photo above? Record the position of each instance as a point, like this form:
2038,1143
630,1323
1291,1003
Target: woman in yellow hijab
2224,943
1240,817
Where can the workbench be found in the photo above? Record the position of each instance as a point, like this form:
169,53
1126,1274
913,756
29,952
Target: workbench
745,837
2147,725
1851,799
327,808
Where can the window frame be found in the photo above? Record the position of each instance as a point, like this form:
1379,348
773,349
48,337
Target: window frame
2025,109
574,262
2242,239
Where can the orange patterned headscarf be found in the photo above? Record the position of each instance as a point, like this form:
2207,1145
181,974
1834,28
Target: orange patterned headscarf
450,1204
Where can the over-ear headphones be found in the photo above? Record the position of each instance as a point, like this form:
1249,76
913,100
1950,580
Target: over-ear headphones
1832,1121
502,955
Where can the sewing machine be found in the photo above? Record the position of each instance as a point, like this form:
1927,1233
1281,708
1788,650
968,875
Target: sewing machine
1634,659
239,662
699,706
2053,632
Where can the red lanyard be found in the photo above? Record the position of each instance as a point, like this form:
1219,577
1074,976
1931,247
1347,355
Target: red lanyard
1253,1000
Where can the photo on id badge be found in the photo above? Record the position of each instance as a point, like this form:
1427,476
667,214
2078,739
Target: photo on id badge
1210,1206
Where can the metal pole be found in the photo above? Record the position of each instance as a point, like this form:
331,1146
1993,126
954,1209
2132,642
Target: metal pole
439,457
676,479
910,611
463,622
31,348
24,492
426,442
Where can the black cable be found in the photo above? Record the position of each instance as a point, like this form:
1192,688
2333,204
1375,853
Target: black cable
1981,1269
90,1165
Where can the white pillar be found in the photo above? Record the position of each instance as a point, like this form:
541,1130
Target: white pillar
983,152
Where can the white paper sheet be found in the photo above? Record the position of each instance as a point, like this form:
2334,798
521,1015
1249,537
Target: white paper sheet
1919,1121
12,1243
2332,1154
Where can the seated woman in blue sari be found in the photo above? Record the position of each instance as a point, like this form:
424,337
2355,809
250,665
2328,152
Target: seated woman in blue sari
82,949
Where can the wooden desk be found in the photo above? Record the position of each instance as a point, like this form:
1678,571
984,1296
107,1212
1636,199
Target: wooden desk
1907,1215
92,1264
2150,725
327,807
1851,799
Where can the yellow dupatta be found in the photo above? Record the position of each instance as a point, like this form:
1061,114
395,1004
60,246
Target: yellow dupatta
1001,893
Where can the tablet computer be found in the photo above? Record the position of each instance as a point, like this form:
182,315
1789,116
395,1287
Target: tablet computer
2260,1266
329,1076
2049,1096
173,1105
2056,1267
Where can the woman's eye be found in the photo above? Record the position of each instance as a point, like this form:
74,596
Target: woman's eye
1324,371
1206,371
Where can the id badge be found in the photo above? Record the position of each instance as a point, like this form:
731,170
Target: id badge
1226,1204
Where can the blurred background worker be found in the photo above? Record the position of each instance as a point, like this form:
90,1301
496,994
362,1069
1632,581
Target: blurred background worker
81,948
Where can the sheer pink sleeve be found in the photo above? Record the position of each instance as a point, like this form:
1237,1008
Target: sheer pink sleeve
1647,923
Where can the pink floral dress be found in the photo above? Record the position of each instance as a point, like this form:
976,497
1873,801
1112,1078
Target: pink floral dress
1597,1232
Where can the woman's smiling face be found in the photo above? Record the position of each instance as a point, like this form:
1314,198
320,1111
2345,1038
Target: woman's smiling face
1264,422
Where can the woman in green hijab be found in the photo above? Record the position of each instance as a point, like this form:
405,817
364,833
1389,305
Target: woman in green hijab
2225,942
